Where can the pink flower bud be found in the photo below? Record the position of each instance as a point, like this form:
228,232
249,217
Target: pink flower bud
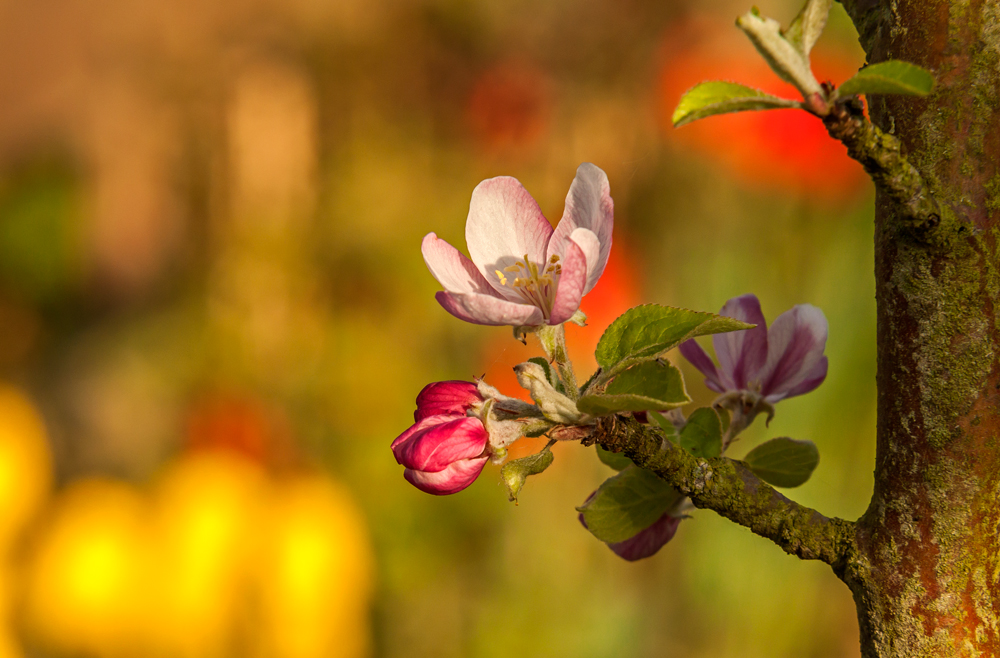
442,453
451,397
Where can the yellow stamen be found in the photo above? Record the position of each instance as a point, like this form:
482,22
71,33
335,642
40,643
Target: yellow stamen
503,279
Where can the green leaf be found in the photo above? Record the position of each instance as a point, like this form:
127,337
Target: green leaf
649,385
664,424
515,472
783,462
717,97
702,435
615,460
891,77
627,504
650,330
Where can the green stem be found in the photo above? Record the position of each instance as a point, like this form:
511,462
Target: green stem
553,339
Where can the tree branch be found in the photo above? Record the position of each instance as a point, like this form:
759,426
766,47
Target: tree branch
881,156
731,489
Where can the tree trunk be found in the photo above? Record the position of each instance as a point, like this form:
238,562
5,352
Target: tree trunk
925,575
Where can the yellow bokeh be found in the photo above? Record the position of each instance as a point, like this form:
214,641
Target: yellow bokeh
85,570
25,463
314,575
206,511
218,559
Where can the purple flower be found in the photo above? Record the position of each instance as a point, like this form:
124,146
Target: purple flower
522,272
777,363
445,450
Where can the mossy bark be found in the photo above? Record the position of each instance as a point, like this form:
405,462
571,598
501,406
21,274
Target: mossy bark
925,574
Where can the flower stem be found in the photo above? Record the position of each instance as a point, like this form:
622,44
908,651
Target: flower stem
553,339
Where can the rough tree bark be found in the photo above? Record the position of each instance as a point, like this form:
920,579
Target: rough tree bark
923,562
928,551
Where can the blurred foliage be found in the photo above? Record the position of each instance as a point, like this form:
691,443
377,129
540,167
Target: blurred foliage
213,295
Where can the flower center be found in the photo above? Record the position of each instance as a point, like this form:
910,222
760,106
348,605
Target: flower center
533,284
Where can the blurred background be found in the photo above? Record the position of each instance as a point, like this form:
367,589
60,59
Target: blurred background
214,318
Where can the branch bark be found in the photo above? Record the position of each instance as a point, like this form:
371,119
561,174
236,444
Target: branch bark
731,489
882,157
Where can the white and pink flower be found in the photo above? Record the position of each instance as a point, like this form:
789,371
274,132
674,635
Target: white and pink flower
523,272
777,363
445,450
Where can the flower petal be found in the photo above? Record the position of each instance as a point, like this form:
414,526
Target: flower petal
588,206
433,446
420,426
490,310
811,381
451,268
647,542
453,479
571,284
741,354
591,246
699,358
795,345
505,224
451,397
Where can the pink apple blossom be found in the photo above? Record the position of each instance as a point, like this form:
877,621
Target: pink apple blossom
445,450
522,272
777,363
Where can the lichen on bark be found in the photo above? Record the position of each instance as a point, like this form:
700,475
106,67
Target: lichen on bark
928,546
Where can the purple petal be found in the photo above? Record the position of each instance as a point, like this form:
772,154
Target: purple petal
451,480
505,224
451,268
697,357
451,397
741,354
571,284
648,541
433,445
489,310
812,380
795,345
588,206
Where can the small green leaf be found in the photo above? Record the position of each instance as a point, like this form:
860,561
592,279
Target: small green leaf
627,504
664,424
649,385
891,77
783,462
702,435
717,97
615,460
650,330
515,472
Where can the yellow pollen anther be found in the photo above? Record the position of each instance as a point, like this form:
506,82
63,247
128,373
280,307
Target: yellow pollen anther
554,259
503,279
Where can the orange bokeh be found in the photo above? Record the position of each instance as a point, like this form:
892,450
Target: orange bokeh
508,108
786,149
